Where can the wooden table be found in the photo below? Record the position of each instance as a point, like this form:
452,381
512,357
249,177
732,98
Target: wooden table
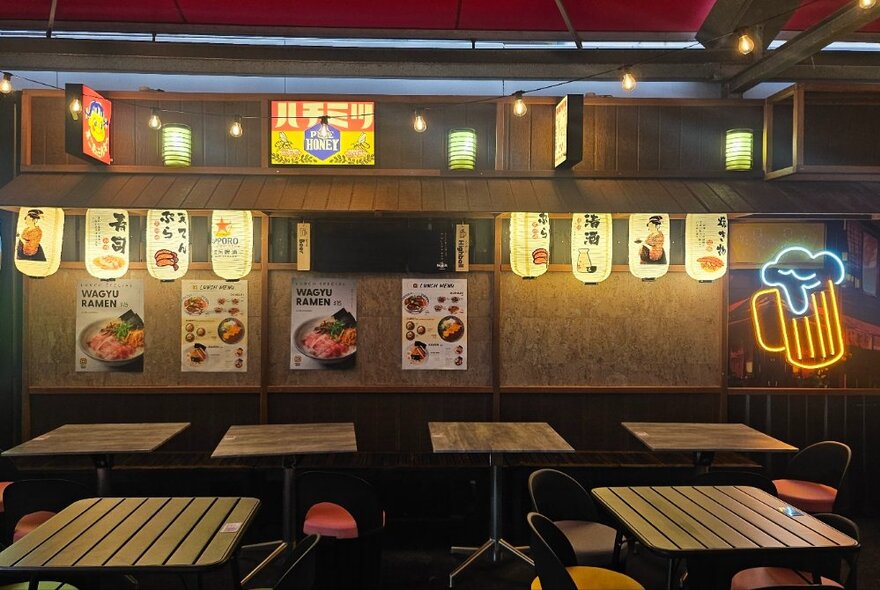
681,522
287,441
101,441
494,438
704,439
130,536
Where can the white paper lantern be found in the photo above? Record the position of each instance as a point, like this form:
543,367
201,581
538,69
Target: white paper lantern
529,244
706,246
107,243
649,245
38,236
591,246
167,243
232,243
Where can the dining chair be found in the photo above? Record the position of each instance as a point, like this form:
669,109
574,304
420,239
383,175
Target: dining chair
40,586
737,478
814,476
300,575
556,564
816,571
563,500
28,503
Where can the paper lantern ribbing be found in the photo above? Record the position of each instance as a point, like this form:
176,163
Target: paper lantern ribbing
462,149
529,244
232,242
167,243
591,242
738,149
38,236
107,243
176,144
705,255
649,245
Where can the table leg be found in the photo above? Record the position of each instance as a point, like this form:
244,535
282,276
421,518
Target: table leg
702,461
670,573
288,509
103,465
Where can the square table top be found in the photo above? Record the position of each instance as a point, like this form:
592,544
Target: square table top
696,436
266,440
131,535
695,520
100,439
496,437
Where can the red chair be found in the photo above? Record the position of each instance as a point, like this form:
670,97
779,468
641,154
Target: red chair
814,476
31,502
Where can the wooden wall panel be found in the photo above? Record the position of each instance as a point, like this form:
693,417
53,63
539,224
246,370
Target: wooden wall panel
843,135
622,332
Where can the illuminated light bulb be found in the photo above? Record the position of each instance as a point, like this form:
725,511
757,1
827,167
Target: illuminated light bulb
75,108
6,83
627,80
519,106
154,121
236,130
419,123
866,4
745,44
324,131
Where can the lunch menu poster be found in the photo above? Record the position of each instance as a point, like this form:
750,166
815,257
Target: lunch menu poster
110,326
434,326
323,323
213,327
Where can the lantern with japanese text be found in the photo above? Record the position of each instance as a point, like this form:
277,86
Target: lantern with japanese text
591,246
107,243
38,236
529,244
649,245
167,243
232,241
705,254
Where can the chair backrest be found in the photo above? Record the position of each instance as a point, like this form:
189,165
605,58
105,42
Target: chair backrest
558,496
354,494
830,565
737,478
33,495
301,573
552,553
824,462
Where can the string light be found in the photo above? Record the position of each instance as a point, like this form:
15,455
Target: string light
236,130
628,80
419,123
75,108
745,44
6,84
519,105
154,122
866,4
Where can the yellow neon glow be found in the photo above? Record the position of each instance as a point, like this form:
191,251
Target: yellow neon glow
830,351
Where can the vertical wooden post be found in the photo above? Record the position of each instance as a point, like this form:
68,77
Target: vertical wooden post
264,319
496,323
797,139
501,136
725,302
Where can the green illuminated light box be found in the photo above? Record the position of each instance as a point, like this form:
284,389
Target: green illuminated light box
738,149
176,144
462,149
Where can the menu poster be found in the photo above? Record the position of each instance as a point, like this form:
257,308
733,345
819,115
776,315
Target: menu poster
434,326
110,326
323,324
213,330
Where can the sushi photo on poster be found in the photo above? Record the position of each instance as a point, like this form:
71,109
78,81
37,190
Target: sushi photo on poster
323,323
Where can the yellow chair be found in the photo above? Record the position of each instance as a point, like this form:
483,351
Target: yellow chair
555,563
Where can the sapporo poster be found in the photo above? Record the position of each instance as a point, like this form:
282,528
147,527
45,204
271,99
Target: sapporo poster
323,330
110,325
434,326
322,133
213,330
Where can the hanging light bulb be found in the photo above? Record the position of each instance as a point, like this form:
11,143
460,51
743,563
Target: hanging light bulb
6,83
75,108
628,80
745,44
154,122
419,123
519,106
236,130
866,4
324,131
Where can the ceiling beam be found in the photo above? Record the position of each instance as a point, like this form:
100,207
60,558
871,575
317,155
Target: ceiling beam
847,19
763,19
560,5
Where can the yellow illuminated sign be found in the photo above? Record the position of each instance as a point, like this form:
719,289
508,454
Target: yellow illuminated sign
322,133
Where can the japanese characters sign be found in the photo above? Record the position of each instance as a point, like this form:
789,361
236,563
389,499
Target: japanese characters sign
232,241
38,236
323,330
649,245
87,133
110,326
434,324
529,244
591,246
167,243
214,327
322,133
107,243
706,246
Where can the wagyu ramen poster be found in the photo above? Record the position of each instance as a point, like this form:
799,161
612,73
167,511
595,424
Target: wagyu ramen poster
323,327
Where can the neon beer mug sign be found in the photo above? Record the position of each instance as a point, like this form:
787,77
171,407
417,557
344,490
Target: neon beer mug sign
803,319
